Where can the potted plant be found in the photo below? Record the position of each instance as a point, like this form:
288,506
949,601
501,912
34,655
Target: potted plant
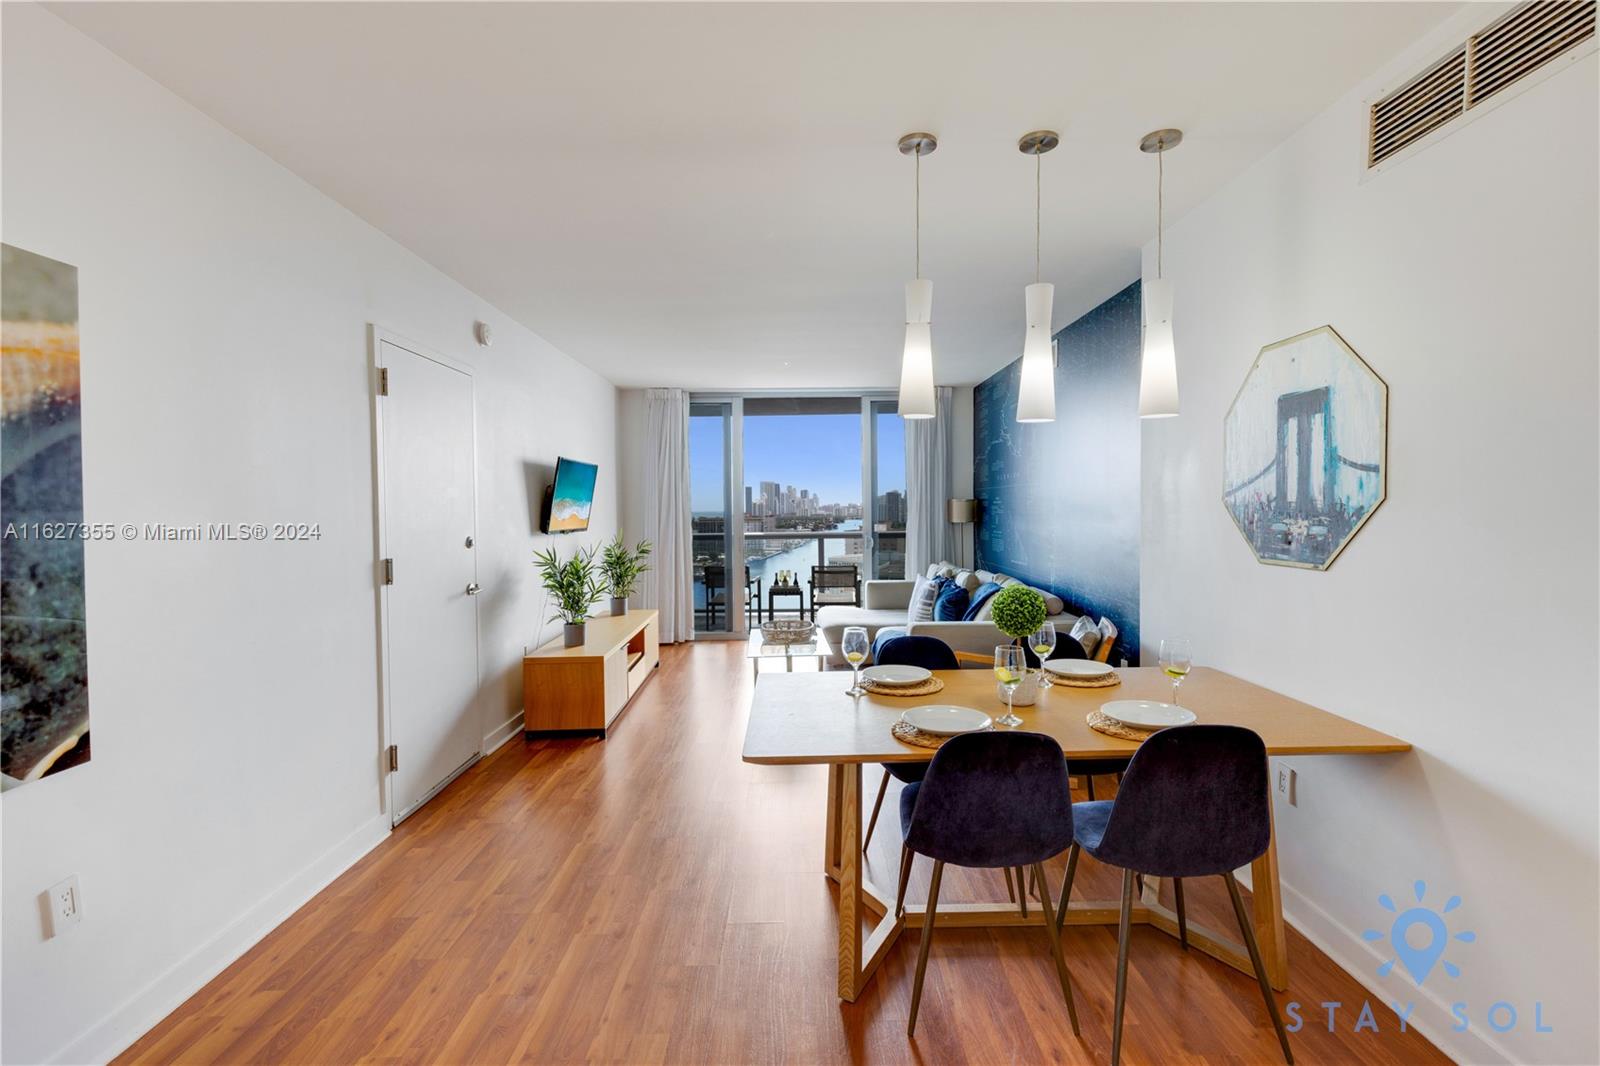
622,569
576,586
1018,611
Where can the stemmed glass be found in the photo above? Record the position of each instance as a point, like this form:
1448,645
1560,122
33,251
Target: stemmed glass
1176,660
1008,667
855,646
1043,642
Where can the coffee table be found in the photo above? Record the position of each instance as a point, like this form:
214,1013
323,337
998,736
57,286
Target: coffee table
758,649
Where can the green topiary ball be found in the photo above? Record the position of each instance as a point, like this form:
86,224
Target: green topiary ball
1018,610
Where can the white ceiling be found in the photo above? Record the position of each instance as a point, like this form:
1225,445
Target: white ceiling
710,195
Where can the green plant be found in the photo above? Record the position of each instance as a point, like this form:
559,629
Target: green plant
621,567
575,584
1018,611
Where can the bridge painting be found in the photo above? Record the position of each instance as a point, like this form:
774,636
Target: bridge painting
1305,450
44,671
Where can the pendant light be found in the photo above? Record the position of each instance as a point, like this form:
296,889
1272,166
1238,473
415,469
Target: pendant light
916,363
1158,372
1036,385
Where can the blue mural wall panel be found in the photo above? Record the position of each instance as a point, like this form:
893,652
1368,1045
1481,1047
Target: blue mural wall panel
1058,502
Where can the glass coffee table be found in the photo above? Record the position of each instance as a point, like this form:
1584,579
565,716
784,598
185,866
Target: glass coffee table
758,649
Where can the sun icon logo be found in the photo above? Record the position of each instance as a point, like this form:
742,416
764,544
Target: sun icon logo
1419,959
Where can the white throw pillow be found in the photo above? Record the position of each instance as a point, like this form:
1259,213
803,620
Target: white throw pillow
923,595
1108,635
967,580
1085,632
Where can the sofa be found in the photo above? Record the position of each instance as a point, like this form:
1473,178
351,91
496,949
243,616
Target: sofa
885,604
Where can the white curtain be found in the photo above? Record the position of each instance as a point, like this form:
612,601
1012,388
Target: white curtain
930,538
669,586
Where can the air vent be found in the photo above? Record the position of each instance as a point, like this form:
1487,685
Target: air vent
1492,60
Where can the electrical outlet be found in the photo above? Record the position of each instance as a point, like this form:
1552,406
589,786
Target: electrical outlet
66,905
1286,784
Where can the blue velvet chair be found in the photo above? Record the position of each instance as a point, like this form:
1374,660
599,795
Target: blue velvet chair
930,653
995,799
1193,803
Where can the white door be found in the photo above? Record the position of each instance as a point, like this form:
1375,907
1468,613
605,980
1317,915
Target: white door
428,503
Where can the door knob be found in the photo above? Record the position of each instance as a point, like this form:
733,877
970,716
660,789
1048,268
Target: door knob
474,588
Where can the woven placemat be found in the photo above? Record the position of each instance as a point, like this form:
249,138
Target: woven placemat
1103,681
910,734
1100,722
921,688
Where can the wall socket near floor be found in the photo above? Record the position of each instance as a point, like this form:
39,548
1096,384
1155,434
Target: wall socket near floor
1286,784
64,906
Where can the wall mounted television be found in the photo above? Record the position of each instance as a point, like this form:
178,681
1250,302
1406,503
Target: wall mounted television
570,497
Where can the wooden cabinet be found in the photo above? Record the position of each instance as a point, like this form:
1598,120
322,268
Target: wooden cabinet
582,690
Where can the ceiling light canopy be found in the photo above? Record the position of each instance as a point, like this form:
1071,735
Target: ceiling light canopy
1158,371
916,362
1036,384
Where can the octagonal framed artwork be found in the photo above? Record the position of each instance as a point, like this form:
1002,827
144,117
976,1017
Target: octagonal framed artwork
1305,450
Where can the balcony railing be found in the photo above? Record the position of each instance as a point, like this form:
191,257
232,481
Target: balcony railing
771,550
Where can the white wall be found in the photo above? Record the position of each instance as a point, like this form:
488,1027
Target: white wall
1462,618
232,688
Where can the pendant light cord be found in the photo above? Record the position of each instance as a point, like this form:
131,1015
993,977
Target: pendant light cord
1161,181
1038,172
918,201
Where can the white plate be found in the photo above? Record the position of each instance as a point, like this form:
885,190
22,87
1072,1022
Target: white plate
896,675
946,721
1077,667
1146,714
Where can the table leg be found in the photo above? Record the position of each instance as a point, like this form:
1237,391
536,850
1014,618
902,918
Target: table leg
850,895
1266,902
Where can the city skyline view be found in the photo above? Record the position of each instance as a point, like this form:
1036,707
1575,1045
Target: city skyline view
817,453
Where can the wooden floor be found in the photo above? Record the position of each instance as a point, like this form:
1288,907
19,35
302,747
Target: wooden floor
650,898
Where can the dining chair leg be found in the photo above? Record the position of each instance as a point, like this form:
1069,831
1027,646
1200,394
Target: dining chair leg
1123,924
872,823
1183,920
905,878
1055,945
1011,893
1088,784
1022,893
1066,886
927,941
1255,960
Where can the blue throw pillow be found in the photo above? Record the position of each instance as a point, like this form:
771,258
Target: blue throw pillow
978,599
951,606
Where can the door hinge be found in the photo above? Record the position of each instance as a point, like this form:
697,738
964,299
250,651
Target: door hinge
388,571
383,381
394,757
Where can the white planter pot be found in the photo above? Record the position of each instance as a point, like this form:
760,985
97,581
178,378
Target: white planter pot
1027,693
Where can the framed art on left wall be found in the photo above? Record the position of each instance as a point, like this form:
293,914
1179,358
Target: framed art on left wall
44,662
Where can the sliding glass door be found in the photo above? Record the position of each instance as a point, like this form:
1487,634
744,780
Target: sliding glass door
783,486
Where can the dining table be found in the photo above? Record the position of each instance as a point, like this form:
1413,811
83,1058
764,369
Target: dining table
809,718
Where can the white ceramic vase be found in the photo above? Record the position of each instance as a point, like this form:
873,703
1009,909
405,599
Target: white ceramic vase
1027,693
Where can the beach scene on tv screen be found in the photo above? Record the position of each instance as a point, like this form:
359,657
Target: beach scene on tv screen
572,498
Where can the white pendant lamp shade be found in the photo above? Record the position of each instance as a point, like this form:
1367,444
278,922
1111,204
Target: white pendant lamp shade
916,364
1158,375
1036,387
916,361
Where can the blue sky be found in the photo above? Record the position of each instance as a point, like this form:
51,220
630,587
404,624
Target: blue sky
817,452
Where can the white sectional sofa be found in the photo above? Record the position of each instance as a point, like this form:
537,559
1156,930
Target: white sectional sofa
884,605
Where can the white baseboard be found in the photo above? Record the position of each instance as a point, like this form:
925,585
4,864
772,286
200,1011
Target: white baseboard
1431,1016
139,1014
511,727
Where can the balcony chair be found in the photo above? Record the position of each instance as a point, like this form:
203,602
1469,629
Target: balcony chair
834,585
1193,803
989,800
716,582
930,653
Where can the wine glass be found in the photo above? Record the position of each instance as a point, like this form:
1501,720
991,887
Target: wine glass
855,646
1043,642
1176,660
1008,667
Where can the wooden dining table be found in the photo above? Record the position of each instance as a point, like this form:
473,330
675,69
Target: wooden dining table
809,718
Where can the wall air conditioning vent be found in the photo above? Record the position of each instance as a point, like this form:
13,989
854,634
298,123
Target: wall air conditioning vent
1515,45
